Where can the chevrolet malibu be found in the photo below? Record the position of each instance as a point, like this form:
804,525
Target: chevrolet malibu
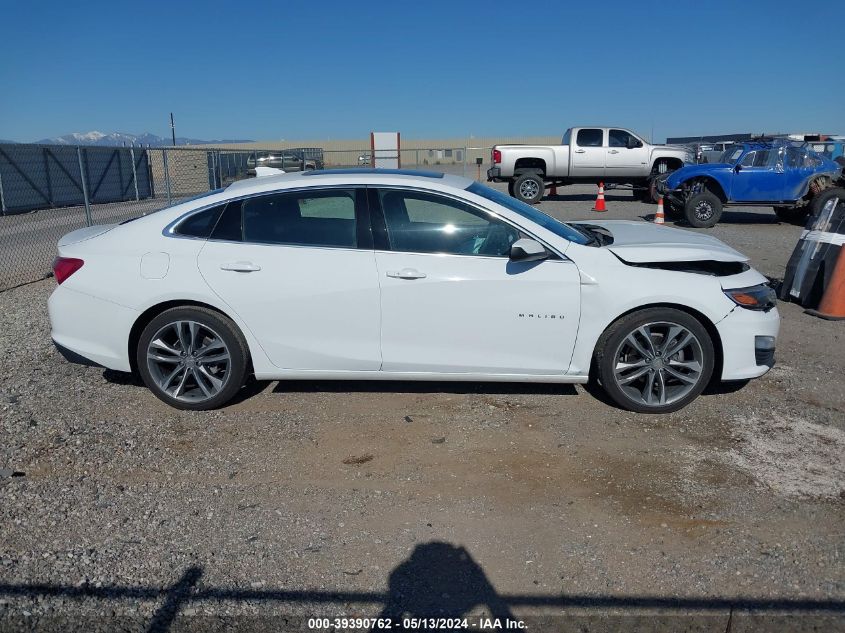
397,275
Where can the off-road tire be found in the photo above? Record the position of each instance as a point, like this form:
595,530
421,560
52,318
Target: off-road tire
823,197
703,210
222,326
530,182
604,358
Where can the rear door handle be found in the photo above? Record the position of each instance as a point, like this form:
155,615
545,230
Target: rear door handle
613,151
406,273
240,267
580,151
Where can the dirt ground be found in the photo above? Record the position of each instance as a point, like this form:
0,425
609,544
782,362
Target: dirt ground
360,499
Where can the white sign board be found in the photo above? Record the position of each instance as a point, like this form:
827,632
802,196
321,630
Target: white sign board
385,150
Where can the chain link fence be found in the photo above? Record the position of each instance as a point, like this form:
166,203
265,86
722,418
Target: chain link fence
47,191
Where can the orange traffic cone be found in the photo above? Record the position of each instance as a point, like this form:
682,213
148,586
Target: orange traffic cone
660,217
600,199
832,305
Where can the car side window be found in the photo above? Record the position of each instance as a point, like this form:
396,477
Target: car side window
758,158
619,138
420,222
301,218
590,137
199,224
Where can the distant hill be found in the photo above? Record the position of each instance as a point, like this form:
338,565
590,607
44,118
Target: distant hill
2,140
120,139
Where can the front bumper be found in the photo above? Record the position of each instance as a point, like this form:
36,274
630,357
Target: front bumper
748,339
494,173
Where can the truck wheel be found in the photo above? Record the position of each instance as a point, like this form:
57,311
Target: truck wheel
529,188
703,210
825,196
791,215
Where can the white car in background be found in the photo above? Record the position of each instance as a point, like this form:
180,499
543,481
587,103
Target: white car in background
381,274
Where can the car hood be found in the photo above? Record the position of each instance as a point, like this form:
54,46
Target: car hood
642,242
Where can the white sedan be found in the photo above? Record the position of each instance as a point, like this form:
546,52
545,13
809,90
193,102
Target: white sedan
393,275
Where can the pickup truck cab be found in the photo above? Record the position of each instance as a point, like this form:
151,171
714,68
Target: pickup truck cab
585,155
778,173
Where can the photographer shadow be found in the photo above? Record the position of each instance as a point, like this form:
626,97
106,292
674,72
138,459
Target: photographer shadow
440,580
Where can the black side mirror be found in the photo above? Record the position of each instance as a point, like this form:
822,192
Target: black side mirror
528,250
634,143
738,168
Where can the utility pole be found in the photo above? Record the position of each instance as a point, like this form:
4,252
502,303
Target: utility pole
172,129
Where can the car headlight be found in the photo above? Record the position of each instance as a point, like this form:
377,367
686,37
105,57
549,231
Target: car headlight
760,297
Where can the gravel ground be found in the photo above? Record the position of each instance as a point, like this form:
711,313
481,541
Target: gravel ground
345,499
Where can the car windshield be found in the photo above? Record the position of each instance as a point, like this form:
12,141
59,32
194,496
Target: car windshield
177,202
527,211
731,155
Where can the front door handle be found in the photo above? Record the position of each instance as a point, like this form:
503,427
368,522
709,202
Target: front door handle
240,267
406,273
580,151
613,151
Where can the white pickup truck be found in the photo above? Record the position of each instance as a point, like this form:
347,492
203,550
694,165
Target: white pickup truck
586,155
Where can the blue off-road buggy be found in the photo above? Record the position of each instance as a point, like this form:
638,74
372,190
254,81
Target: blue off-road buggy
782,174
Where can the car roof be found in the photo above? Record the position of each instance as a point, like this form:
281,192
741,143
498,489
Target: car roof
345,176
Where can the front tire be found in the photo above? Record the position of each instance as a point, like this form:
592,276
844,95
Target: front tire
655,360
703,210
192,358
529,188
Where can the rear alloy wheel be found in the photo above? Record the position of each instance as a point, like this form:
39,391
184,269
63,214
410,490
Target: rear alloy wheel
703,210
529,188
656,360
192,358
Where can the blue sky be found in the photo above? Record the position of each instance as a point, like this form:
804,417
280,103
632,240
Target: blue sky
330,70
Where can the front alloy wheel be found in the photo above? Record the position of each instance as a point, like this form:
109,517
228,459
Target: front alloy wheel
192,358
655,361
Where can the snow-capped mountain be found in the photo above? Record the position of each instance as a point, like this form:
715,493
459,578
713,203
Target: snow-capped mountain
119,139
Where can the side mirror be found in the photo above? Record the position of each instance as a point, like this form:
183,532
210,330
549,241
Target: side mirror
737,168
634,143
528,250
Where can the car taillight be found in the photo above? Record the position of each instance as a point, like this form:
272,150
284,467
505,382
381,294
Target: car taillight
64,267
497,156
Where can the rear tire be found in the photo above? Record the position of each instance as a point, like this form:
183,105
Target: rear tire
703,210
655,360
823,197
529,188
192,358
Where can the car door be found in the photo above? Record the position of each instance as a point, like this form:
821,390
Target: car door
589,153
453,302
622,158
758,177
299,269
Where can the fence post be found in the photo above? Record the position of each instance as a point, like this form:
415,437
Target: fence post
166,176
84,187
134,172
465,162
2,197
220,168
418,158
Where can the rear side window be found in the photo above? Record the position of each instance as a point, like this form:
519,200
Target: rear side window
303,218
199,224
590,138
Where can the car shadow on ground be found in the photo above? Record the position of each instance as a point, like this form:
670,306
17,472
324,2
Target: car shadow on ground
423,386
728,217
586,197
437,580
